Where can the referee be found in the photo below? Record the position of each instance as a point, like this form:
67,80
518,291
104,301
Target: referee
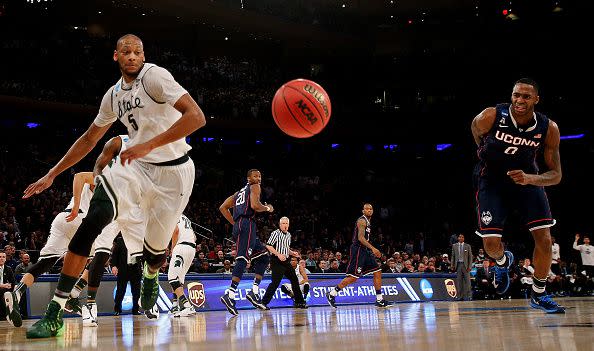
279,246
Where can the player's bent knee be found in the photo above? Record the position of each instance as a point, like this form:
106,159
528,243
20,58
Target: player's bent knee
154,261
175,284
99,216
260,264
240,264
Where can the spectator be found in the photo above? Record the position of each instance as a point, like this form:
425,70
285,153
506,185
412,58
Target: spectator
390,267
333,266
6,282
204,267
587,252
11,261
483,280
226,268
24,265
324,267
480,257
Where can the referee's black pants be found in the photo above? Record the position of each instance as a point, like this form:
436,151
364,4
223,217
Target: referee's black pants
279,269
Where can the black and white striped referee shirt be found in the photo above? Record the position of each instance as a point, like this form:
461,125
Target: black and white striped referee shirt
281,241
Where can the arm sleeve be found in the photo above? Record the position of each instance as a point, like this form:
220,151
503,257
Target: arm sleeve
161,86
106,114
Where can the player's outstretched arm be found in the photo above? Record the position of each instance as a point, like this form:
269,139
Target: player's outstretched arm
80,179
191,120
482,124
81,147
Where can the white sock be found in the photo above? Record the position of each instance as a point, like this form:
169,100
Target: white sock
60,300
334,292
256,289
75,293
379,297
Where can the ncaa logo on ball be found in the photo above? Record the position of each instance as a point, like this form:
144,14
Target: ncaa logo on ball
426,288
196,294
451,287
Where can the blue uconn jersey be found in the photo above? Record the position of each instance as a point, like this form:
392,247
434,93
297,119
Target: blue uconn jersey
507,146
356,231
242,204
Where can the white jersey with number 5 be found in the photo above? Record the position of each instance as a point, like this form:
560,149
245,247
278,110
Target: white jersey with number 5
145,107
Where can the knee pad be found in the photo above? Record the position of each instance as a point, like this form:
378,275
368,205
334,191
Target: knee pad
175,284
239,268
96,268
154,261
42,266
99,216
261,263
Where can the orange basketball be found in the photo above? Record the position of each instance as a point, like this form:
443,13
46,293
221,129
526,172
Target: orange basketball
301,108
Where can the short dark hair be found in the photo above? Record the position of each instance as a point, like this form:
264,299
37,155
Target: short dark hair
249,173
528,81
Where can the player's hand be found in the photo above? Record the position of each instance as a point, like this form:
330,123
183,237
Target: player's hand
281,257
269,208
39,186
72,215
114,270
134,152
519,177
577,237
376,252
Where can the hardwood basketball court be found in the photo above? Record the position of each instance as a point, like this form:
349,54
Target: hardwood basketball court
475,325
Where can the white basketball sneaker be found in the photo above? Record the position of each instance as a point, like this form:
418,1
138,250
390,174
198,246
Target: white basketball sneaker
89,315
186,311
153,313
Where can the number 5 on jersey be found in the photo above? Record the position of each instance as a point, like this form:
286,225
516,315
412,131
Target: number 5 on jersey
132,121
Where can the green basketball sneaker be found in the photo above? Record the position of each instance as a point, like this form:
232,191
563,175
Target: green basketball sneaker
50,325
149,291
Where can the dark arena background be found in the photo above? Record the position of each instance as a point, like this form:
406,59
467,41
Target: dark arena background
405,78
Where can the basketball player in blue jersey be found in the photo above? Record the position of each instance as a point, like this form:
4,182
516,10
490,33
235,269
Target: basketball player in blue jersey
509,136
245,203
361,260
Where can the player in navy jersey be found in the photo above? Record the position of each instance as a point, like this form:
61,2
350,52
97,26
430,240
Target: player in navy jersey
361,260
509,137
245,203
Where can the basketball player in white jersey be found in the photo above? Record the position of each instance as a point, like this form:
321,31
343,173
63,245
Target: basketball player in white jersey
301,273
153,177
184,250
62,230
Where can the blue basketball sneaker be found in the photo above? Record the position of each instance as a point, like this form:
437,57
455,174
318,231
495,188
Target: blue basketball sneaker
501,279
546,303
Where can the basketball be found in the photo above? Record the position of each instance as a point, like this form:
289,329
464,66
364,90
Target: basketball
301,108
